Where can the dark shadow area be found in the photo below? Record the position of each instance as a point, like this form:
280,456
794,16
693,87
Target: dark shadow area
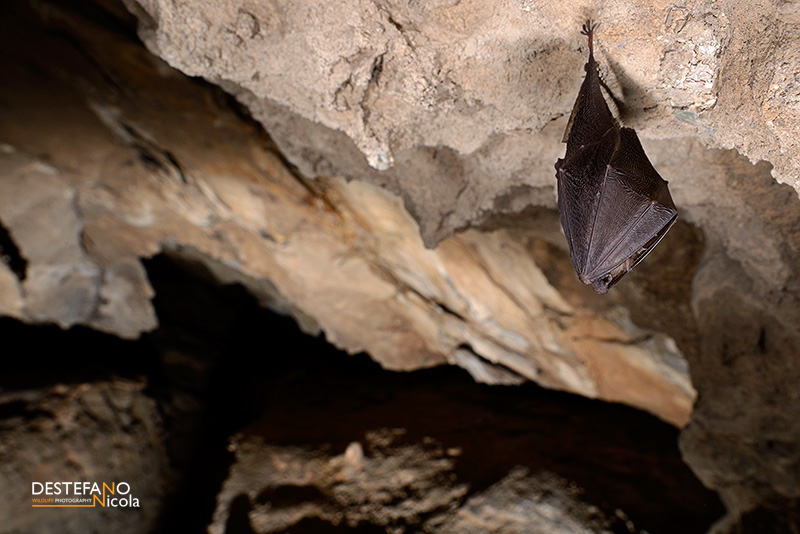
10,255
318,526
249,369
37,356
304,392
220,364
238,522
780,516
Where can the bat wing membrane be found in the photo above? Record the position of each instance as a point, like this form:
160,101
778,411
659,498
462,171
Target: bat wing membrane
634,212
591,118
613,205
579,186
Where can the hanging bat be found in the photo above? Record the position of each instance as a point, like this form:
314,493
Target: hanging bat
613,205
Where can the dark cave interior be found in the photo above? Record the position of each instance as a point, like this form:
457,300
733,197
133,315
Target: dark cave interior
248,369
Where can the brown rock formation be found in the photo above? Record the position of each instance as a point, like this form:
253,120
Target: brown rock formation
414,217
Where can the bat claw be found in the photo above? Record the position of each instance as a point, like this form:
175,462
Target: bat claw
589,27
588,30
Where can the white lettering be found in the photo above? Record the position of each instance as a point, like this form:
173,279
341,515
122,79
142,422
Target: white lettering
82,488
117,502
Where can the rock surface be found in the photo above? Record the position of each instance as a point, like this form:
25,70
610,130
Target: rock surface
405,123
389,486
107,431
349,437
169,170
472,93
459,104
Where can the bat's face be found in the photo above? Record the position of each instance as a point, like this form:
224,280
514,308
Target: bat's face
602,285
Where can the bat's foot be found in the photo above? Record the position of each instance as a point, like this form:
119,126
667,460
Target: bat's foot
589,27
588,30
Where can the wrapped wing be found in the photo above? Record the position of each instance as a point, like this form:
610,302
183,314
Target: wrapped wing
634,211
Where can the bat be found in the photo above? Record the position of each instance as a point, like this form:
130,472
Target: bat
613,205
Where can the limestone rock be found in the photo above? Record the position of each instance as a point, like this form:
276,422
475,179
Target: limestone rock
460,106
386,487
62,435
525,503
409,125
273,489
170,170
467,88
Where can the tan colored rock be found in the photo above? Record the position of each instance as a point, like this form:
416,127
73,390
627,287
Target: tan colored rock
273,488
109,156
345,256
468,100
395,76
391,485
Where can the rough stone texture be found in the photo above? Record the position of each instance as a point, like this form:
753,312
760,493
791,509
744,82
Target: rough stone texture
105,431
463,104
168,169
465,90
384,487
107,155
617,457
272,489
524,503
203,385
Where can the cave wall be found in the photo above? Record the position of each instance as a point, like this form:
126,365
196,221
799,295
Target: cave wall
76,432
402,198
485,86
